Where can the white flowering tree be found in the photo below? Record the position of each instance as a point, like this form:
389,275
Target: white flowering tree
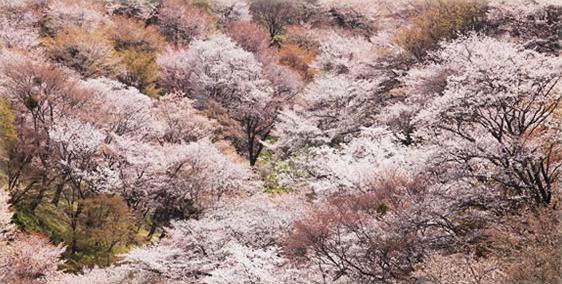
62,13
29,258
180,121
24,257
345,55
18,27
230,10
126,111
40,95
236,243
173,181
142,9
333,110
80,161
352,167
218,70
459,268
535,24
181,22
495,116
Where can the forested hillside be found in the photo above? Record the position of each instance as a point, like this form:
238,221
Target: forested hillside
280,141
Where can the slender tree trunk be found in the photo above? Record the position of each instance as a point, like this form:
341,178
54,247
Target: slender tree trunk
58,192
153,227
37,200
74,225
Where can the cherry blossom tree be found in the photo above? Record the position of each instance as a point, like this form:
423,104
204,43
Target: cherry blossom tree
295,132
40,95
230,10
29,259
174,181
211,62
86,14
334,109
218,70
338,105
78,149
498,100
126,110
253,38
339,54
375,235
248,36
19,29
274,15
79,172
216,249
534,23
459,268
24,258
142,9
107,275
354,16
181,121
181,23
339,102
353,166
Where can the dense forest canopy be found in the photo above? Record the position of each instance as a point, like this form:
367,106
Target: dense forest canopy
280,141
